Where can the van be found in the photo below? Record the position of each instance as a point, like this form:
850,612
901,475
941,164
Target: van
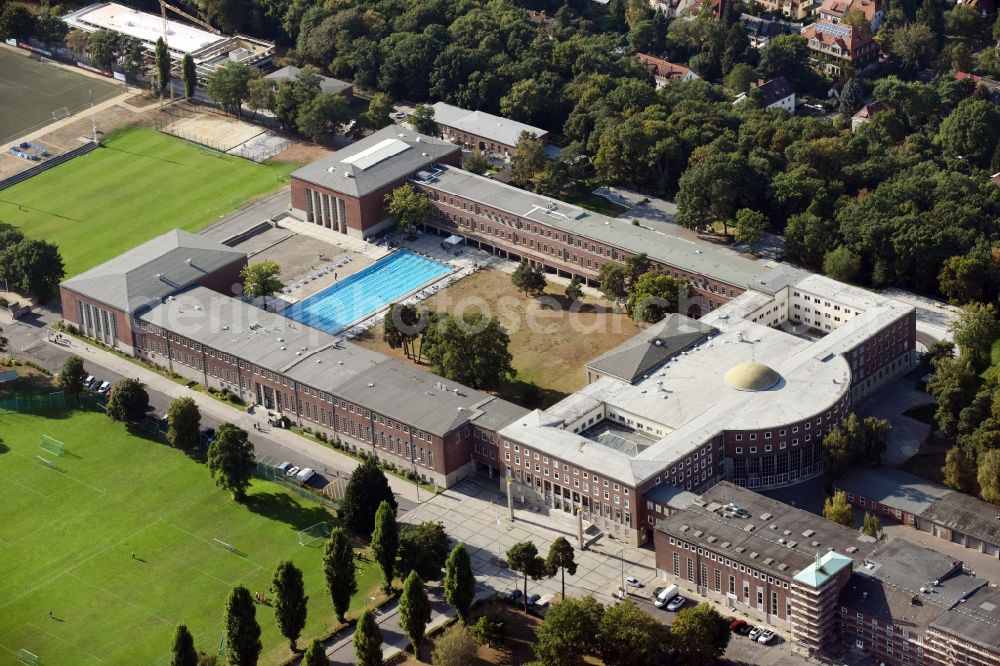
305,474
541,605
665,595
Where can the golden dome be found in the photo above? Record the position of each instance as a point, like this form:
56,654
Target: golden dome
750,376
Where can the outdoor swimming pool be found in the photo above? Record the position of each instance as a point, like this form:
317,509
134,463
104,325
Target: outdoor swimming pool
366,291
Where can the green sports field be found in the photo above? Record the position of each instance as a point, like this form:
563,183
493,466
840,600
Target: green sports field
67,540
141,184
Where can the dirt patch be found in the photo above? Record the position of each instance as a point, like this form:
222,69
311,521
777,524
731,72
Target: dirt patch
302,152
29,381
551,339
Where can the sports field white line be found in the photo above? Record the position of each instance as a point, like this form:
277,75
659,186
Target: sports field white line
122,599
65,642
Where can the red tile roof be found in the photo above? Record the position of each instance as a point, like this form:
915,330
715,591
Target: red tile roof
663,69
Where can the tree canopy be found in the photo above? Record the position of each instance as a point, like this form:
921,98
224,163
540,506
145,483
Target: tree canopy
231,460
366,490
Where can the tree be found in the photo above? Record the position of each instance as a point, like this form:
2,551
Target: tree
32,266
574,290
183,424
529,279
4,343
739,78
128,402
260,279
260,95
377,115
560,558
368,640
472,350
162,64
71,376
787,56
228,86
293,96
959,470
975,330
655,295
852,96
838,510
842,264
366,490
385,543
289,601
971,132
490,629
528,161
321,119
411,207
476,162
871,526
963,21
459,582
17,22
569,632
629,636
243,645
953,385
750,226
401,326
189,76
315,654
423,548
456,647
414,610
422,120
612,281
988,476
712,190
700,635
523,557
875,439
182,651
230,456
339,572
913,45
838,452
964,278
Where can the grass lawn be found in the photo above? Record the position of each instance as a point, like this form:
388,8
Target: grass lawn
140,185
68,538
550,344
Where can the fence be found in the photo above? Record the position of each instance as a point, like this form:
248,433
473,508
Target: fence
47,164
45,402
265,470
257,152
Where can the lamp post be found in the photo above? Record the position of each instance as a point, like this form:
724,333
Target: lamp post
499,559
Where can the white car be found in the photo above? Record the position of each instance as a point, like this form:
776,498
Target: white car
399,115
756,632
291,471
676,603
765,636
632,581
305,474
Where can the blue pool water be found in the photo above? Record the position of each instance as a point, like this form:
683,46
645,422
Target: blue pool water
366,291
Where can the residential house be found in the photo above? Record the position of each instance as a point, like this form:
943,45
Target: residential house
664,71
865,114
327,84
774,94
761,31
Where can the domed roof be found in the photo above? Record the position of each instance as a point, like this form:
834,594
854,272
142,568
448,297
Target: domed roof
751,376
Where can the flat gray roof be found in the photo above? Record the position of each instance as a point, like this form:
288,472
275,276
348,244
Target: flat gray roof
967,515
323,362
650,348
378,160
773,539
327,84
695,258
977,620
893,487
153,270
496,128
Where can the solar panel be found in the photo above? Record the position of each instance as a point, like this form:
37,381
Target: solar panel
381,151
834,29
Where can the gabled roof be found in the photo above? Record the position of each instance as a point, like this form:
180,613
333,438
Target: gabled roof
157,268
329,85
847,38
774,91
642,353
502,130
869,110
838,8
823,569
664,70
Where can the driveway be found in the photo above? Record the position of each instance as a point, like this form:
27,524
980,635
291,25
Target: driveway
889,403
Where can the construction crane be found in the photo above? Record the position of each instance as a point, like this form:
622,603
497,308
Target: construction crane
164,6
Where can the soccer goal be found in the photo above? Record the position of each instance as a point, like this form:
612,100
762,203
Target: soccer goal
51,445
59,114
314,533
222,544
29,658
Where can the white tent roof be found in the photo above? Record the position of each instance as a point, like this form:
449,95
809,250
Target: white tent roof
454,240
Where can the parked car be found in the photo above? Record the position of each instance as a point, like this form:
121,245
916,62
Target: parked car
632,581
676,603
765,636
398,115
291,471
88,381
305,474
540,606
513,596
533,598
740,627
664,595
284,467
756,632
104,387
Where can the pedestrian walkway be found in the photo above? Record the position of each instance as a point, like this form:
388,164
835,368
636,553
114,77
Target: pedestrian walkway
227,413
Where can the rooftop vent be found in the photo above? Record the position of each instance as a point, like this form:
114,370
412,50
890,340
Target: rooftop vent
814,544
754,556
793,544
852,549
782,566
740,549
712,539
698,533
684,528
725,544
766,516
371,384
331,169
348,174
748,528
808,533
189,261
